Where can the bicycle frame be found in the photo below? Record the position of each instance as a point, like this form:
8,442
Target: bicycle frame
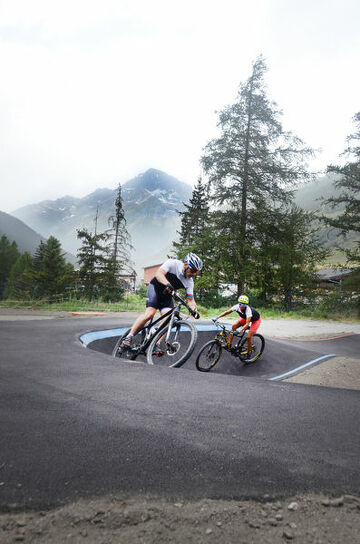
168,318
223,334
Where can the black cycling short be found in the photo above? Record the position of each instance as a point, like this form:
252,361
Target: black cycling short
156,299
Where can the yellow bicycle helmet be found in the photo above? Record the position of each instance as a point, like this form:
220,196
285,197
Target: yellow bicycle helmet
243,299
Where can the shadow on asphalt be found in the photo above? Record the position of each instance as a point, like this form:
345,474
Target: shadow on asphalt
279,357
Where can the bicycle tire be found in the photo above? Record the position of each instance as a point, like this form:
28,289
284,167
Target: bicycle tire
125,353
208,356
183,349
258,345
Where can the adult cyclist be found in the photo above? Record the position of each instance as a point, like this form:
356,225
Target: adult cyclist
249,318
171,275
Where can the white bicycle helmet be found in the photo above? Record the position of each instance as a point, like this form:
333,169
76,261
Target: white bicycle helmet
193,261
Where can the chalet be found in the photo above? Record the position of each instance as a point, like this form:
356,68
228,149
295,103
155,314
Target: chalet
128,281
328,276
149,272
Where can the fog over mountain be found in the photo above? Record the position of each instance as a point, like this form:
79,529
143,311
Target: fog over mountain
25,237
16,231
150,201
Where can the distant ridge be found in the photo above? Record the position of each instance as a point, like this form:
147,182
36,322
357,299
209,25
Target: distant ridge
25,237
16,231
151,201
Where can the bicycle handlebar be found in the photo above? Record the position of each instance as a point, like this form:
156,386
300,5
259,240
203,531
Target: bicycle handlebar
220,325
223,327
182,301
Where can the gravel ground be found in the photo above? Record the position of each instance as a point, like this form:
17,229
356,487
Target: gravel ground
310,519
314,519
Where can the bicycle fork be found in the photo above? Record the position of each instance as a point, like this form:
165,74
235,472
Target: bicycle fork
224,337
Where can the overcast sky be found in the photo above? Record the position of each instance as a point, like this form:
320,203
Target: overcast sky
94,92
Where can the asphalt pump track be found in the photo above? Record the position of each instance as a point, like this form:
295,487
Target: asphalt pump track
281,358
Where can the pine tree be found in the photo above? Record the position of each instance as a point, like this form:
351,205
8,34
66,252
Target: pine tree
52,274
253,163
92,256
296,251
349,181
9,254
38,256
21,285
119,237
193,220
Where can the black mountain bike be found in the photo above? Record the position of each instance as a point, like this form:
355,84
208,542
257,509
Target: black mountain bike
210,353
176,335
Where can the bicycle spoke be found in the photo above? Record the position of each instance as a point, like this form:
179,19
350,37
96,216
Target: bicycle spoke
172,348
131,353
208,356
257,348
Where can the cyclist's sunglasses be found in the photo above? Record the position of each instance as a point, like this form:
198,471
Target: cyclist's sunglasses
192,269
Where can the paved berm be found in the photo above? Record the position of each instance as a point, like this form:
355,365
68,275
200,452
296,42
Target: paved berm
310,518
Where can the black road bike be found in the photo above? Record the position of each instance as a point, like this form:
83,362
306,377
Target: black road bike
210,353
177,337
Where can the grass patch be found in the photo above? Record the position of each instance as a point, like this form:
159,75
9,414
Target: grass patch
275,313
136,303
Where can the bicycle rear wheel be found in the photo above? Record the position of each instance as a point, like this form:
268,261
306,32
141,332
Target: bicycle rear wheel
258,345
132,352
177,349
208,356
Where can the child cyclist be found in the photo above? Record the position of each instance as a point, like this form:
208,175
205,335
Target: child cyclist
248,318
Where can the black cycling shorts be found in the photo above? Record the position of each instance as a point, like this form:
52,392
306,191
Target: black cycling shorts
158,300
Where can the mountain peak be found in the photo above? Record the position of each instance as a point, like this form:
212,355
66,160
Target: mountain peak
153,179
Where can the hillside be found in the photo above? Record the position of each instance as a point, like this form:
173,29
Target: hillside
150,201
15,230
25,237
309,197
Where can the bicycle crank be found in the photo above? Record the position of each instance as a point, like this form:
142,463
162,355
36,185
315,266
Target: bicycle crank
172,348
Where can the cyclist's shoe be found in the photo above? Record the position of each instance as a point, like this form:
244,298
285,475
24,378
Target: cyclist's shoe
126,343
158,351
245,351
248,357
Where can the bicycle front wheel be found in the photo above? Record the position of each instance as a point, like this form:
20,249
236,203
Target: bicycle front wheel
132,352
208,356
258,345
175,350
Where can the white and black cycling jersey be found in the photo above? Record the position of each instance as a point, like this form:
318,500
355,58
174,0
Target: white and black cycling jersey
249,312
173,269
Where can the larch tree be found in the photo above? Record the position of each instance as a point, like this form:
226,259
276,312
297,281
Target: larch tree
252,164
9,254
119,238
194,219
92,256
349,184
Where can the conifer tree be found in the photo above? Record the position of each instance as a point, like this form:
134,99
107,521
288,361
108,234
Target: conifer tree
92,258
252,164
38,256
52,274
349,182
193,220
119,238
289,268
9,254
21,281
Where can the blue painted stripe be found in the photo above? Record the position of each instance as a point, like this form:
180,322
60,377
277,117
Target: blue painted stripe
89,337
302,367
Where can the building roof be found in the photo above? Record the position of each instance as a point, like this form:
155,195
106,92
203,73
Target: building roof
152,266
333,274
